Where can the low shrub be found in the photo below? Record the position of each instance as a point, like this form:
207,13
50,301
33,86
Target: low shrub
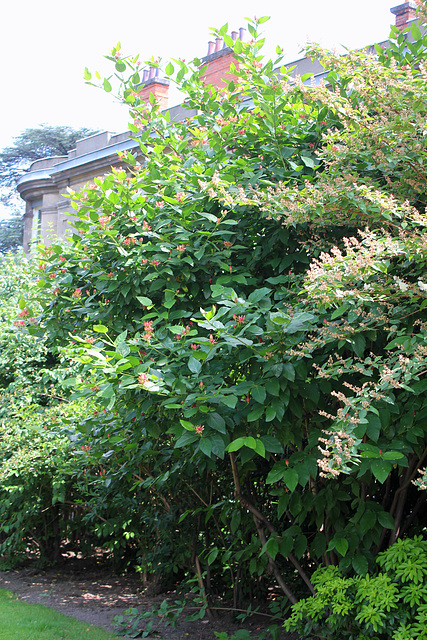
390,604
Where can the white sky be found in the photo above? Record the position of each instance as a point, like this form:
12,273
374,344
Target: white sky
47,43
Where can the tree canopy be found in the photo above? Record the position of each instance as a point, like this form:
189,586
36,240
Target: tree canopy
32,144
11,230
35,143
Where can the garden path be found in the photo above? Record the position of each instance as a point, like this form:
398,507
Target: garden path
92,593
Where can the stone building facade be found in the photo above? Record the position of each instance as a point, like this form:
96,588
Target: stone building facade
44,187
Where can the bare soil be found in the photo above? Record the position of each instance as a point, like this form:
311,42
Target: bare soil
93,593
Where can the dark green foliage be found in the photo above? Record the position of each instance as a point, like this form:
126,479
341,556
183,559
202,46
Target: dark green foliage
36,478
244,317
225,347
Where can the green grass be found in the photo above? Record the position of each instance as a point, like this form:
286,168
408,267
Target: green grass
22,621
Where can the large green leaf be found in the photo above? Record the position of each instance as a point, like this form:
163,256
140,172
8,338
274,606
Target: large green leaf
300,321
360,564
216,421
290,478
368,520
341,545
258,393
194,365
272,444
386,519
255,414
258,294
381,469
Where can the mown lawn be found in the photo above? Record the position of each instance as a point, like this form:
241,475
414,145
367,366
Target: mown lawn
22,621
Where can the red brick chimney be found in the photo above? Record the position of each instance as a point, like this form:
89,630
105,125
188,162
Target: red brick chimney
218,61
153,85
404,13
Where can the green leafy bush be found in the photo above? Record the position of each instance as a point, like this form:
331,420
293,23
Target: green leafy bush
28,368
392,604
38,473
246,307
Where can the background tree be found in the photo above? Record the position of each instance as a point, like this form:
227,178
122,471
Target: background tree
32,144
11,230
35,143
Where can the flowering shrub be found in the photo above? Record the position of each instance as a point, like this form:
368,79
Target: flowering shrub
256,320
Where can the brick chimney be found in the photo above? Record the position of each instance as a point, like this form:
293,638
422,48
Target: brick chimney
218,61
153,85
404,13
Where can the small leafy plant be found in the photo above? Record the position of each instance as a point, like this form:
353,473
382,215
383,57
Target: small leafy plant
390,604
133,624
130,624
